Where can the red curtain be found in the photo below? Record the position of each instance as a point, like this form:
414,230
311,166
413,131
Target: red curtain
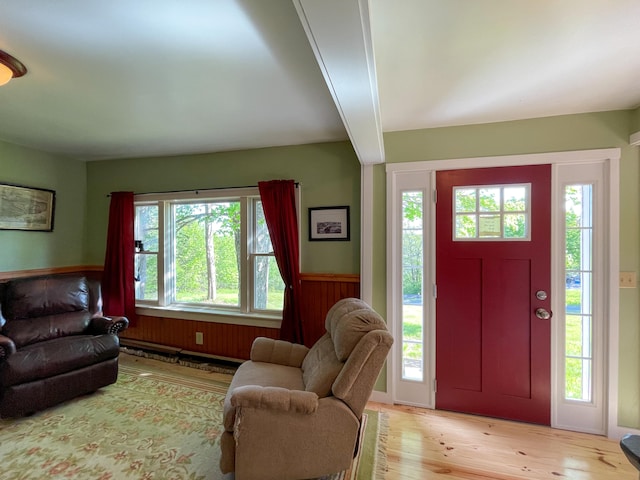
118,277
279,205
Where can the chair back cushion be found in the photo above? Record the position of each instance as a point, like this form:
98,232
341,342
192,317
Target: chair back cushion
41,296
32,330
43,308
321,367
347,322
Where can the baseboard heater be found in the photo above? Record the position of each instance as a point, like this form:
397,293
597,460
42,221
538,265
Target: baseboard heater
167,350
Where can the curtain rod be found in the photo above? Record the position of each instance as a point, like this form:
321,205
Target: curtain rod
197,190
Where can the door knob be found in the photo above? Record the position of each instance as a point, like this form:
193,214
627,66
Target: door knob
543,314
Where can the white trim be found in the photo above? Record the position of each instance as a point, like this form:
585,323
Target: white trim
613,181
612,156
381,397
202,315
578,156
395,291
634,139
392,283
366,233
617,432
366,256
430,276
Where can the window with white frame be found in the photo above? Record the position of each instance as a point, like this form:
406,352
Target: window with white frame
492,212
206,250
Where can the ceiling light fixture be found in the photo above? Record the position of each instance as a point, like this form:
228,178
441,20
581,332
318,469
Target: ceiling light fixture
10,67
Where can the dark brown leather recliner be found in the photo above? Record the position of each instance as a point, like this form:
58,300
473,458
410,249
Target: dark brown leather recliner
55,344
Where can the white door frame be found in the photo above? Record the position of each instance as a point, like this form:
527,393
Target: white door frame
610,157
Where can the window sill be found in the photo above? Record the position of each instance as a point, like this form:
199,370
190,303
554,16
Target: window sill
206,315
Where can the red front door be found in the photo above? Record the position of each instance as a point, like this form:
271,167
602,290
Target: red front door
492,350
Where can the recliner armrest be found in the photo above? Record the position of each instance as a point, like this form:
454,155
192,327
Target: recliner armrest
7,347
274,398
113,325
271,443
278,351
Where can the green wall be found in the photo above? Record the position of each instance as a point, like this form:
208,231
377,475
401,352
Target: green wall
553,134
329,174
23,250
635,121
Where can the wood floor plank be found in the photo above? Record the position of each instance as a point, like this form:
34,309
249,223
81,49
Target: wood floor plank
436,445
428,444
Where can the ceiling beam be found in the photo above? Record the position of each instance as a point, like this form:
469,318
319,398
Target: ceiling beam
339,32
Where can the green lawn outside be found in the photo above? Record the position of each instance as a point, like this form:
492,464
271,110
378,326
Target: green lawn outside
230,297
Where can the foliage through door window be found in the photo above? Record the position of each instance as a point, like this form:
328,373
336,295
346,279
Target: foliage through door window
492,212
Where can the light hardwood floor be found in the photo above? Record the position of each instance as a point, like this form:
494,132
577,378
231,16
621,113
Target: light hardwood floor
430,444
426,444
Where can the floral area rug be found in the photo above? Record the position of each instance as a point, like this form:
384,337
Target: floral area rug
147,426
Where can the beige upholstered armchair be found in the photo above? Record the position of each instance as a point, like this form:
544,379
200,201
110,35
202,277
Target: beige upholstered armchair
294,413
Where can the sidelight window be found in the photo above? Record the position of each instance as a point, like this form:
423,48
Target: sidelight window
579,353
412,286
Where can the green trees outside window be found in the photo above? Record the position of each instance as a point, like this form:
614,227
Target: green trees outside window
412,285
213,253
578,291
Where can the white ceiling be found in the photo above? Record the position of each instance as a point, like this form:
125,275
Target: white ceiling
132,78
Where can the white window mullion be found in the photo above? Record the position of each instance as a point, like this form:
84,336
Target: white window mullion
246,275
165,261
252,257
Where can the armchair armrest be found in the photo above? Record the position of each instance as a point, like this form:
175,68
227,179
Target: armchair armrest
112,325
7,347
305,445
274,398
278,351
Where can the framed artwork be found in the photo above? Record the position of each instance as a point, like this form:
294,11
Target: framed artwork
329,223
26,208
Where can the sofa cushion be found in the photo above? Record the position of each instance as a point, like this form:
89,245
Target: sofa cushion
347,332
39,296
321,367
54,357
32,330
264,375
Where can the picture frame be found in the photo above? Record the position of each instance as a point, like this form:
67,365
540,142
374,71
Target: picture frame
26,208
329,223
